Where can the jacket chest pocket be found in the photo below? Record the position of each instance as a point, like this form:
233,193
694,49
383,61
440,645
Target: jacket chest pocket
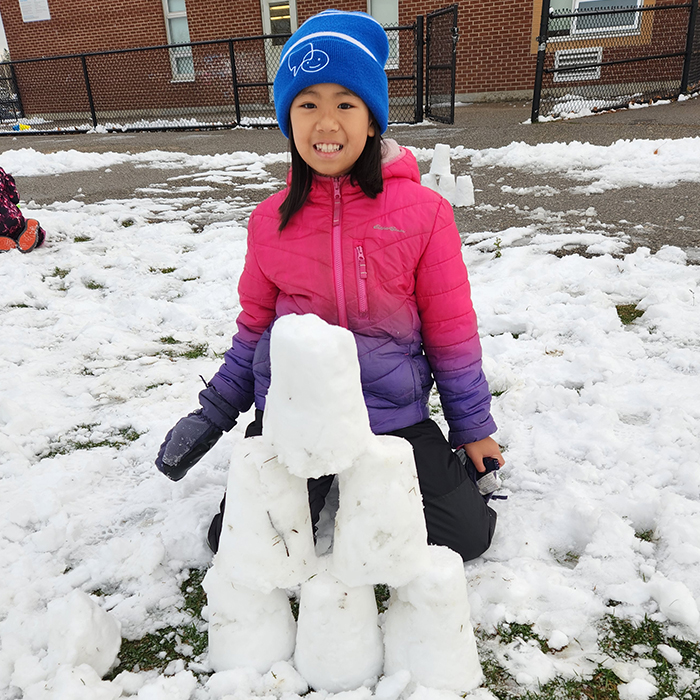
361,279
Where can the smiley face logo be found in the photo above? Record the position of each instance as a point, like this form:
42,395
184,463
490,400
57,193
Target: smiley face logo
307,59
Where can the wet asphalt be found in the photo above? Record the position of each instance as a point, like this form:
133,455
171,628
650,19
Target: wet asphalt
649,216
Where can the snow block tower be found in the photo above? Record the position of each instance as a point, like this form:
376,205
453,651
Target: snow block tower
458,192
316,424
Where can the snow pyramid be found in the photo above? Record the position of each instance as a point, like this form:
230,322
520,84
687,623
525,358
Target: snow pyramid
315,424
458,192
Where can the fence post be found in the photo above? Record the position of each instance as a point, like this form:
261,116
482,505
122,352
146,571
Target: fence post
86,77
13,77
419,69
541,55
692,20
234,78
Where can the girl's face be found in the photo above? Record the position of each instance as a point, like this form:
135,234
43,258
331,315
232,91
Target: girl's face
330,125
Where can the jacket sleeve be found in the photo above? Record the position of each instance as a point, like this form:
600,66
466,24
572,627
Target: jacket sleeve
257,296
7,184
450,336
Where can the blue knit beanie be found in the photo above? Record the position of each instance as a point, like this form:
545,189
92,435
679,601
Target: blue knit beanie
347,48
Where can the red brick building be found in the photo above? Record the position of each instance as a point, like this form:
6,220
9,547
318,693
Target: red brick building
496,52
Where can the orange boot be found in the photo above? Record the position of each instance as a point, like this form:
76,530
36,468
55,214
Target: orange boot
29,238
7,243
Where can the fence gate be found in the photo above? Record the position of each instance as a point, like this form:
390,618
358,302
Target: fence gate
10,105
607,54
441,64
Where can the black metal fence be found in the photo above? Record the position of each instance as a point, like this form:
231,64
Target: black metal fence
198,85
606,55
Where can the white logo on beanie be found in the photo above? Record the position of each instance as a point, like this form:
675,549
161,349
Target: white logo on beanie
307,59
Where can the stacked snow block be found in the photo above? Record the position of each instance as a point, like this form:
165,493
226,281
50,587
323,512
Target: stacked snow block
316,423
458,192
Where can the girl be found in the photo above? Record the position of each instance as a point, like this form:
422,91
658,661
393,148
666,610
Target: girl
15,230
356,240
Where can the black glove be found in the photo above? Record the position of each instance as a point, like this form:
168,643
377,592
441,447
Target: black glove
191,438
194,435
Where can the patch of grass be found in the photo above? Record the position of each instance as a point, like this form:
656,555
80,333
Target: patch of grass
59,272
128,222
496,393
646,535
81,239
155,386
195,350
628,313
510,632
91,284
602,686
190,351
162,270
19,306
157,649
382,592
83,437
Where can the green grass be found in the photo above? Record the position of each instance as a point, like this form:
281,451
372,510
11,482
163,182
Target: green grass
81,239
59,272
190,351
157,649
162,270
619,640
628,313
82,438
91,284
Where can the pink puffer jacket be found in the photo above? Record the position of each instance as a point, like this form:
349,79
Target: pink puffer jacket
390,270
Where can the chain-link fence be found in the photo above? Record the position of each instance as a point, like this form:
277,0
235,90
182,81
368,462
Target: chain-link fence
607,54
198,85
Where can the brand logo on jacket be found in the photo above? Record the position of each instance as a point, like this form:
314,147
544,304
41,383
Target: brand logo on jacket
388,228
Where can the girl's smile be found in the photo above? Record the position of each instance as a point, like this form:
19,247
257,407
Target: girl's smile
330,125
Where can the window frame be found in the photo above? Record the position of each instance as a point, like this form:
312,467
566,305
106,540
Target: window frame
392,62
620,30
181,52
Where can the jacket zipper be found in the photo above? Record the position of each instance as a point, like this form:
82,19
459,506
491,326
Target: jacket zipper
337,252
361,271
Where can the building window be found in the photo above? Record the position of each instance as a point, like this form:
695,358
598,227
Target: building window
596,25
386,12
179,33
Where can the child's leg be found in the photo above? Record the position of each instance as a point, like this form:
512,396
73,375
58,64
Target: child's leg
455,512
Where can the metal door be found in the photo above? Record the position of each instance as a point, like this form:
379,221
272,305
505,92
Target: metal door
441,64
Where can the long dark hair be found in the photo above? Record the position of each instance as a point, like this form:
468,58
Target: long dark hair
366,174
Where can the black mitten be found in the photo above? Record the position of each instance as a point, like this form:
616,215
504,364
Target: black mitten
191,438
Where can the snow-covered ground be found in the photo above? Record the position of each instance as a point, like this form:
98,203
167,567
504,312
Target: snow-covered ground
106,330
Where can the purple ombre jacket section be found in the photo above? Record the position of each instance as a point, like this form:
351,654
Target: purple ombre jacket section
406,293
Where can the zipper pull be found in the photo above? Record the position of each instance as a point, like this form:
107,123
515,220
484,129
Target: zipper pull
336,201
361,262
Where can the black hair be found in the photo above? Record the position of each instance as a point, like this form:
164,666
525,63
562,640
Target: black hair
366,173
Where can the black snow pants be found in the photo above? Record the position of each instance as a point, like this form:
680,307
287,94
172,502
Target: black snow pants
456,514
